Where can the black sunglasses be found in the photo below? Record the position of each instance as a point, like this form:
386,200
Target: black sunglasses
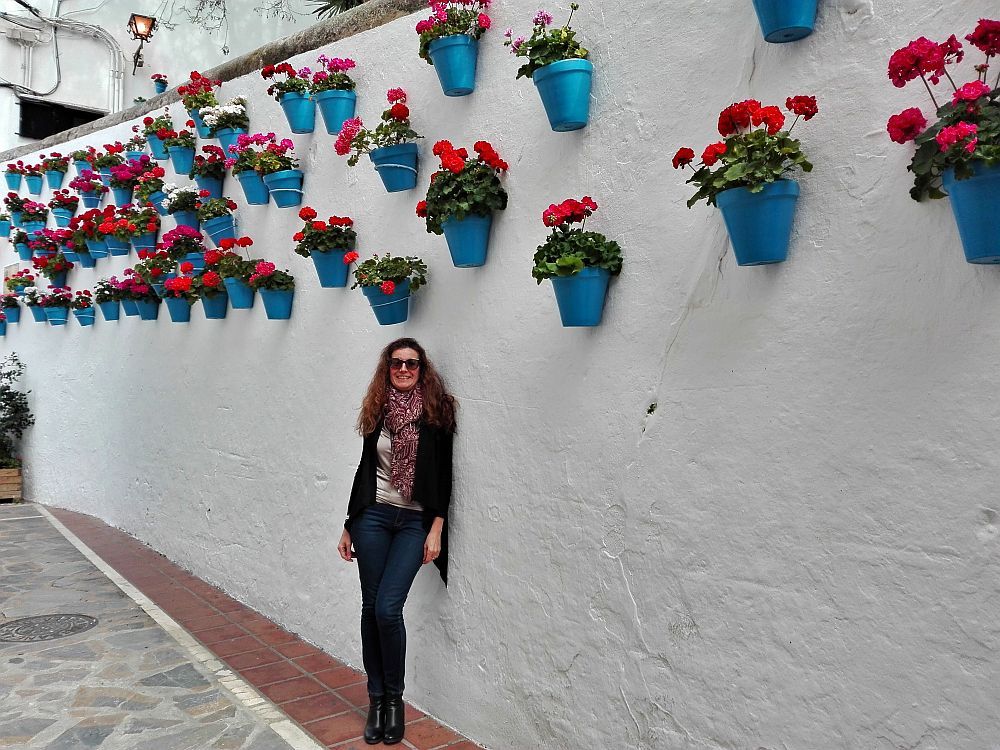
397,364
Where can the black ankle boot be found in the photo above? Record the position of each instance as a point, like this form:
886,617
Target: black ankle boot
375,728
394,721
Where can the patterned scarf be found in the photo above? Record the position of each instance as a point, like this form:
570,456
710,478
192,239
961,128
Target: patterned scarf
402,414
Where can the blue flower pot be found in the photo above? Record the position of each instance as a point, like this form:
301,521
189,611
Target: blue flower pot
105,174
117,246
195,259
220,228
300,111
182,157
389,309
34,182
454,60
580,297
565,87
86,260
785,20
56,315
241,294
148,309
156,147
19,289
277,303
760,224
468,240
331,269
285,187
92,199
203,130
397,166
336,106
145,241
13,180
85,317
212,184
98,248
156,200
16,218
130,306
37,313
976,205
59,279
83,166
54,178
134,155
3,327
71,255
254,188
179,309
62,216
5,228
123,196
227,137
110,310
32,226
217,305
187,219
13,314
23,251
159,86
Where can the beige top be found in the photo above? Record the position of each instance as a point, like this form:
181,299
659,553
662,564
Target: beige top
385,493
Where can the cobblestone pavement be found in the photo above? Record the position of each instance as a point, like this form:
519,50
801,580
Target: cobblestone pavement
124,683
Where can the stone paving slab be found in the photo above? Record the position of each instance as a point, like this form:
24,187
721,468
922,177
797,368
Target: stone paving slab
123,684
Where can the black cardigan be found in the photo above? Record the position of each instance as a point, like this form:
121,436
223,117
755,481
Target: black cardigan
431,482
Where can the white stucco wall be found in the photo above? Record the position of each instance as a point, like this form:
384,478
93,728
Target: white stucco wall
797,549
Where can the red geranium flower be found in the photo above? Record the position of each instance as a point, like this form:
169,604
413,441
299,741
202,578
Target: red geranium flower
683,157
388,287
907,125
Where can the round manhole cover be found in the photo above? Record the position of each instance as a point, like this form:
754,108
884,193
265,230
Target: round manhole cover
45,627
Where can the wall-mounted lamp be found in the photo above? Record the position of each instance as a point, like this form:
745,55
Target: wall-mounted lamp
141,28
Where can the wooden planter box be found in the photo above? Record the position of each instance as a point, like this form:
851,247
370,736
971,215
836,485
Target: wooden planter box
10,485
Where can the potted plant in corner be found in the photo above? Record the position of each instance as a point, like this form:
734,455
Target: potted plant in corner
329,244
83,307
333,90
560,68
197,95
15,418
390,146
387,282
107,296
55,166
236,271
209,171
294,94
745,176
961,150
449,40
277,289
579,263
461,200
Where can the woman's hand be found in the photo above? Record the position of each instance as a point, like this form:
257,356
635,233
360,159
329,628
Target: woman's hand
344,548
432,547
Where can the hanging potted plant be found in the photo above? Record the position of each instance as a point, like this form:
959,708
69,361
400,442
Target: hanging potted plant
333,90
227,122
180,146
149,189
390,146
330,244
211,289
107,296
243,162
197,95
139,297
293,94
579,263
135,146
216,217
4,224
63,206
73,247
277,289
151,128
18,281
19,239
44,244
33,178
83,159
90,187
785,20
279,168
13,175
182,204
32,297
147,226
56,305
179,295
461,200
387,283
53,267
83,307
961,150
185,244
745,176
159,82
236,272
209,171
55,166
14,203
125,177
449,40
154,268
560,69
104,232
11,307
112,156
33,216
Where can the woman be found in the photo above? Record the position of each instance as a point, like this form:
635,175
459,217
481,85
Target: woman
397,514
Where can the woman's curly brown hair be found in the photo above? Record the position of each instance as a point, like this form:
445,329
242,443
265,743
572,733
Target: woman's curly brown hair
439,405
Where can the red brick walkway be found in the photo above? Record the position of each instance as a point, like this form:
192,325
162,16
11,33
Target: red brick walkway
326,697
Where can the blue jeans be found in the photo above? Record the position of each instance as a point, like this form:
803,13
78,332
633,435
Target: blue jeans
389,543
